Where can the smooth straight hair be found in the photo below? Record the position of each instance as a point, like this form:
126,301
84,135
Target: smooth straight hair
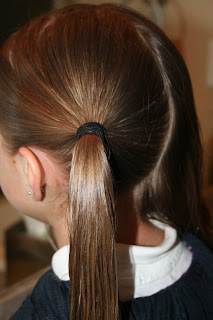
105,64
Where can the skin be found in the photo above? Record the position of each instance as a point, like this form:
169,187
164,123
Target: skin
31,169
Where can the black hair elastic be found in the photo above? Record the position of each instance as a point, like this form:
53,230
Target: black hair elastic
94,128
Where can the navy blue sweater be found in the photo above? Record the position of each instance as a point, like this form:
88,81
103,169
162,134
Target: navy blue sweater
191,297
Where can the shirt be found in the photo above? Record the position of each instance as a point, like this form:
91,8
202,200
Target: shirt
142,271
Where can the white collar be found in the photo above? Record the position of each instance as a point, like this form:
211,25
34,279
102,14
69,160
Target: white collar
142,271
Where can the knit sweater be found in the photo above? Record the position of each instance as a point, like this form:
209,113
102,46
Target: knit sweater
189,298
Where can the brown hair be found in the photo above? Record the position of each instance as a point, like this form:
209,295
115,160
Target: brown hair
110,65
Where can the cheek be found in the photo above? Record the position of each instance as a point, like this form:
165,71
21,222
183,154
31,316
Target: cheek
24,203
12,187
14,197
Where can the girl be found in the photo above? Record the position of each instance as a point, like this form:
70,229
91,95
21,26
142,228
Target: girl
100,139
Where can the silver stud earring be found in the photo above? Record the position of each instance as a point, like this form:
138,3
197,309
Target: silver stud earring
30,192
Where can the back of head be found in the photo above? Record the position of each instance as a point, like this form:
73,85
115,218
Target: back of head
110,65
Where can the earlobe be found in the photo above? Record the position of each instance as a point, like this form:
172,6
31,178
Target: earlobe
34,172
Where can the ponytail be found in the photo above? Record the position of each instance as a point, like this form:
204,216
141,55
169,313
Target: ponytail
93,274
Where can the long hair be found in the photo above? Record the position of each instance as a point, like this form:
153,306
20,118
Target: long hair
110,65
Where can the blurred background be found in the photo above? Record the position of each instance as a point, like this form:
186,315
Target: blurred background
24,244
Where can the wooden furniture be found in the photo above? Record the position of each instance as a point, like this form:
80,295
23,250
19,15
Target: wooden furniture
8,217
208,199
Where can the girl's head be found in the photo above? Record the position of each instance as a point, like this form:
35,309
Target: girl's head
109,65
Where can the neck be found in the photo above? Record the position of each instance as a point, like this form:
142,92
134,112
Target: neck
61,233
131,229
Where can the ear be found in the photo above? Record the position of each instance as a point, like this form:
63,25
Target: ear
34,172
